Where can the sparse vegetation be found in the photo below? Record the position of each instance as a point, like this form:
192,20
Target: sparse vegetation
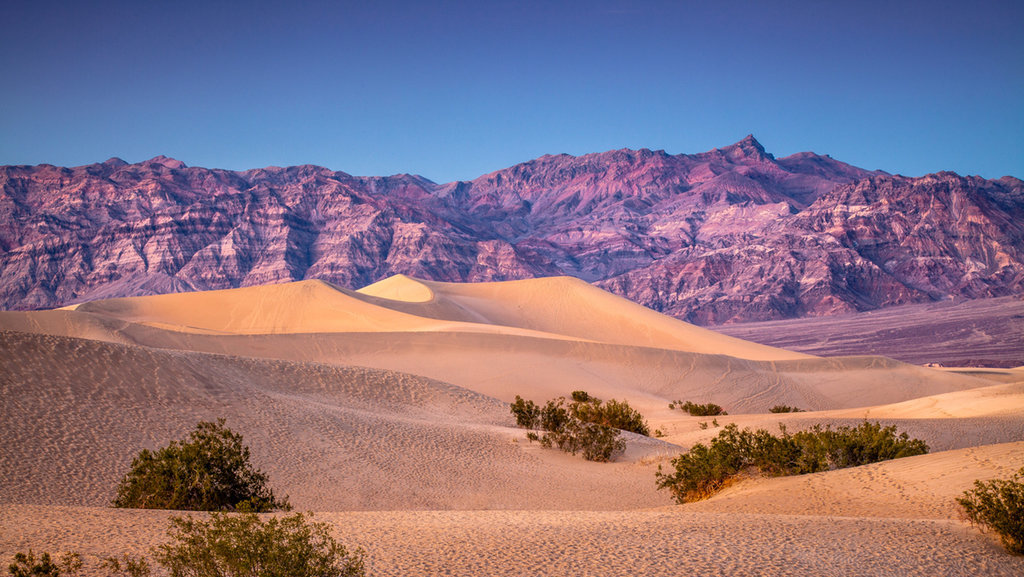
705,469
26,565
785,409
585,425
705,410
998,505
208,472
127,566
244,546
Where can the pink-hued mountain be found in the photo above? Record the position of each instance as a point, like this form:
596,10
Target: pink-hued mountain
723,236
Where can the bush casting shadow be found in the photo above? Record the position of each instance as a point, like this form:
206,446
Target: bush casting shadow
704,470
705,410
998,505
585,425
208,472
242,545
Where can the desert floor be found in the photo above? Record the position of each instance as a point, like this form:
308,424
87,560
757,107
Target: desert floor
385,411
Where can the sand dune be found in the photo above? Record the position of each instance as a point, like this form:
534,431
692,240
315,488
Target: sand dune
557,308
386,409
922,487
540,338
332,438
565,306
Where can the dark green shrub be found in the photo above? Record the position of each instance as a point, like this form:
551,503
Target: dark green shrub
998,505
706,410
705,469
209,472
619,415
586,425
785,409
554,416
526,412
229,545
581,396
827,449
596,442
26,565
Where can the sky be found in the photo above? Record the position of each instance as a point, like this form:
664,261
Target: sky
454,90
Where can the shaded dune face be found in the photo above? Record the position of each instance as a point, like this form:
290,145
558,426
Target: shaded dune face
393,401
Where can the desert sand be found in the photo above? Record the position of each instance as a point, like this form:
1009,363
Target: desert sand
385,411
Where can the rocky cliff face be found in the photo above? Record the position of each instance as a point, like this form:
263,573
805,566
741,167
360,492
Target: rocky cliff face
723,236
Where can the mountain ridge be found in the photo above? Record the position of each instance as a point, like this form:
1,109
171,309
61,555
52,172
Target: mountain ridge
728,235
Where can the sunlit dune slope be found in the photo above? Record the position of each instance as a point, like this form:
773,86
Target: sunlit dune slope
538,338
566,306
559,308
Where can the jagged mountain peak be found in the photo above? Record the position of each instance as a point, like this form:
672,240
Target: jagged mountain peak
164,161
748,149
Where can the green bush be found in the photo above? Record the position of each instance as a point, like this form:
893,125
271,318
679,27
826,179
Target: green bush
585,425
209,472
706,410
704,470
229,545
26,565
785,409
999,505
526,412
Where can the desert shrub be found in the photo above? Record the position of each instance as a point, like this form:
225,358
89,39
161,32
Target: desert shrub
208,472
706,410
585,425
785,409
26,565
580,396
527,413
126,566
826,449
554,416
704,470
242,545
619,415
998,505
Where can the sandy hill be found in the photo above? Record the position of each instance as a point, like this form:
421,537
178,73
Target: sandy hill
386,409
540,338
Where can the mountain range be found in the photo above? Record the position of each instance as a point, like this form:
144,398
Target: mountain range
725,236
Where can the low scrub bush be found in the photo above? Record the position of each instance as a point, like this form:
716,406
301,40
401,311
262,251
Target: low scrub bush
242,545
998,505
26,565
785,409
127,566
208,472
706,410
706,469
584,425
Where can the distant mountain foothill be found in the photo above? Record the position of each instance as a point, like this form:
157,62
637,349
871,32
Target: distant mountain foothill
725,236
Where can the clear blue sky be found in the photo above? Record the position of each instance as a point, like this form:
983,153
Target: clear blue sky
453,90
